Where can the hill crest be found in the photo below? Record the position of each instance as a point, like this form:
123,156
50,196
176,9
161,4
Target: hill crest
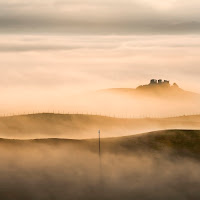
156,89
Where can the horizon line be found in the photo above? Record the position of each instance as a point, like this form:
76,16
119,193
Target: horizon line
115,116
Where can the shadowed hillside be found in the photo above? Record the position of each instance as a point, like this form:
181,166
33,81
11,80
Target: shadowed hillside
156,165
175,142
86,126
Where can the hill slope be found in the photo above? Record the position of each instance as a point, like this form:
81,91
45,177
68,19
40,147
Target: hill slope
157,91
156,165
176,142
86,126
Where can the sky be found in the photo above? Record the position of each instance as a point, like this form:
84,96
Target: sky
52,49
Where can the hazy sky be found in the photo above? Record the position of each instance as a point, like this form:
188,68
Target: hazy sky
100,16
54,48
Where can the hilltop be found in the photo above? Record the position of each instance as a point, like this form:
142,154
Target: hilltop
155,89
160,99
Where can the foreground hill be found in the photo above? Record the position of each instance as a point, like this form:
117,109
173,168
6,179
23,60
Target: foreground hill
150,166
76,126
175,142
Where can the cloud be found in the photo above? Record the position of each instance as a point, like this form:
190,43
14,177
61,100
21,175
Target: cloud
100,16
109,61
43,70
35,43
25,48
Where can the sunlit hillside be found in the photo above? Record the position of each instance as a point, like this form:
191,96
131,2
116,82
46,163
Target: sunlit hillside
78,126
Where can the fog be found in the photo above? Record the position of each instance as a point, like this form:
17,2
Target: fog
54,49
41,73
129,104
59,58
38,170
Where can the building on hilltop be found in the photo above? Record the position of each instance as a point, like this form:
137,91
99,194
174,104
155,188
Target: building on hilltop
158,84
153,81
166,81
160,81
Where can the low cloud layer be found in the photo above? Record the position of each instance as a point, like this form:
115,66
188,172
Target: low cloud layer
41,71
107,61
52,49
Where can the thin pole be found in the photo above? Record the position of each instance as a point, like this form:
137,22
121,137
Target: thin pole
100,167
99,143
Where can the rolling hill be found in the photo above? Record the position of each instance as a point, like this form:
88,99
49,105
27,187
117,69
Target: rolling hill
156,91
173,142
149,166
75,126
149,100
